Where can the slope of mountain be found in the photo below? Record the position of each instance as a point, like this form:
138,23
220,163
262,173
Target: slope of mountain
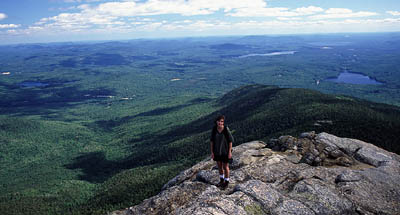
259,112
263,112
110,169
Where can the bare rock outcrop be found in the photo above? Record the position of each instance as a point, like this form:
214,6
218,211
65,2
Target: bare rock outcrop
312,174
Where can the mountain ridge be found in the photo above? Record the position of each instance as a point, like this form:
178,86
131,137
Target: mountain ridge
264,112
142,164
261,112
313,174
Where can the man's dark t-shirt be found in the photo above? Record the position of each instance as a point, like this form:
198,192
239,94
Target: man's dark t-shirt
221,143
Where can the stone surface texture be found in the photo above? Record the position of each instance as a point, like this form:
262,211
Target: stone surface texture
311,174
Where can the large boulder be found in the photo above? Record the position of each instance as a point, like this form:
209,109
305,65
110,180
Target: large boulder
311,174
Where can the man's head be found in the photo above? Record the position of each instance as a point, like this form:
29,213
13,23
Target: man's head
220,120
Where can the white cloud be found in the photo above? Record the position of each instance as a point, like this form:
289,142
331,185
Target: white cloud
309,10
83,6
336,13
78,21
288,25
275,11
182,7
394,13
150,26
36,28
129,14
3,26
79,1
236,8
2,16
136,16
312,26
262,12
107,14
207,25
288,18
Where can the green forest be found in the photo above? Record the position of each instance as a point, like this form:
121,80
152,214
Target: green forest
88,128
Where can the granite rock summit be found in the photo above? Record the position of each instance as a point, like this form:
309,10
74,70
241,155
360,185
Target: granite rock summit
310,174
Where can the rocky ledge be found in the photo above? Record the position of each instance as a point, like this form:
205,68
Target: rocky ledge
311,174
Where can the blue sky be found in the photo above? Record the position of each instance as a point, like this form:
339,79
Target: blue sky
29,21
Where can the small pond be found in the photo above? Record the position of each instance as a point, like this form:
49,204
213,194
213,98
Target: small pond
353,78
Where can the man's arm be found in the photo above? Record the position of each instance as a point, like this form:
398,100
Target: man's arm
211,147
230,150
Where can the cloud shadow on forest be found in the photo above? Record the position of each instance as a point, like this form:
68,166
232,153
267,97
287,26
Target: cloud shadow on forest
48,99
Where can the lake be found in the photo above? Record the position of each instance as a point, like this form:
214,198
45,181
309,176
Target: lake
353,78
269,54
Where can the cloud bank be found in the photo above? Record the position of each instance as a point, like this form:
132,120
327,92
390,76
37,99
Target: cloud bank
3,26
394,13
189,17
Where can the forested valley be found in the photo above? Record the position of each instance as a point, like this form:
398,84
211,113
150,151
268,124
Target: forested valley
87,128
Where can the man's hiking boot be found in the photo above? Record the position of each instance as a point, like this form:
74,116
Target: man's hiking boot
224,185
221,182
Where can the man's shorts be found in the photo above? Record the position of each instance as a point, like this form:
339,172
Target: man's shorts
223,159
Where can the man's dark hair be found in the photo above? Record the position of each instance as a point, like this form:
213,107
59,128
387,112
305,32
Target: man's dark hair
219,118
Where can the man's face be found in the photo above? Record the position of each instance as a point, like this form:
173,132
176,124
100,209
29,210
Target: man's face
220,123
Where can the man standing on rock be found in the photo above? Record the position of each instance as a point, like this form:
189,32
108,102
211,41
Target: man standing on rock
221,149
